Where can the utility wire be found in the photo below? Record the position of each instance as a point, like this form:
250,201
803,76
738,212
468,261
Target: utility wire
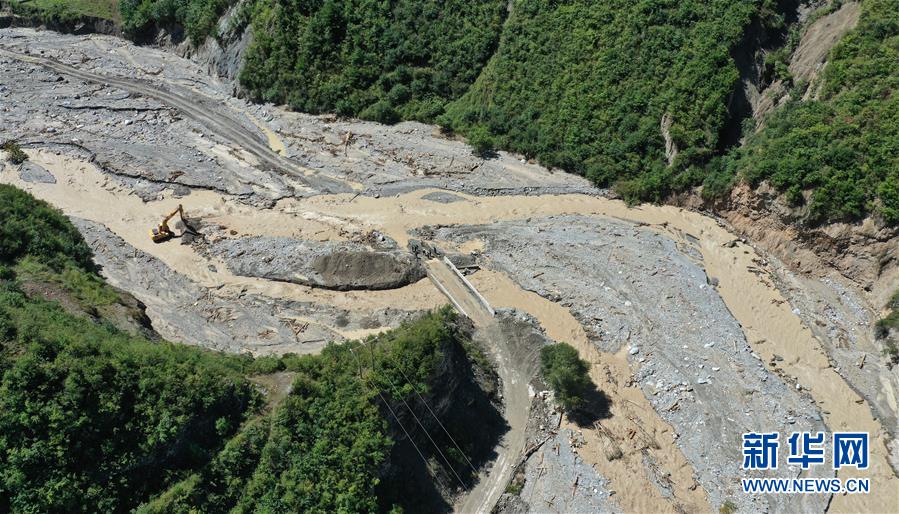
387,404
425,430
420,397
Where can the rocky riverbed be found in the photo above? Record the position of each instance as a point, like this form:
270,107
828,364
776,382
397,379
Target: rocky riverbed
305,228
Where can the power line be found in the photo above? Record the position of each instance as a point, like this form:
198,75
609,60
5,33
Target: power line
417,420
420,397
387,404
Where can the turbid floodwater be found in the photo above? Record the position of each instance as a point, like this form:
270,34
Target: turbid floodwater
131,132
769,323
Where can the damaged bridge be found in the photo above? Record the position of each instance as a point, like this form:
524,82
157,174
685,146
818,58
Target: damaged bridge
464,297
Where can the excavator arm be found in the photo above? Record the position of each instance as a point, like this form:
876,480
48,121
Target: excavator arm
163,232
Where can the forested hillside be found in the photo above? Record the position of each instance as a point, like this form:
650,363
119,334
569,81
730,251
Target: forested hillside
94,417
585,86
383,61
844,146
327,445
640,96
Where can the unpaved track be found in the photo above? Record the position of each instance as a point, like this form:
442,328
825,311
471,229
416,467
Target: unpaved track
200,110
769,323
515,381
631,411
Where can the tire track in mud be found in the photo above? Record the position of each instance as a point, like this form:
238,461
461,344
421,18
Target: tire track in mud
199,110
758,306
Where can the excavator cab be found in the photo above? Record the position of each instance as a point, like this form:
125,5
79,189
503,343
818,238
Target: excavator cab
163,233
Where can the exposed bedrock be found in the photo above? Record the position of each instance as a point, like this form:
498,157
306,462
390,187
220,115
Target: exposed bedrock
338,266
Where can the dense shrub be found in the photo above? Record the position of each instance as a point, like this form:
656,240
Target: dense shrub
844,146
482,143
383,61
93,420
325,445
885,328
63,12
14,152
566,373
198,18
32,227
584,85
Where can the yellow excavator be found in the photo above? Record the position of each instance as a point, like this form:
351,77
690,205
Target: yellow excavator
163,233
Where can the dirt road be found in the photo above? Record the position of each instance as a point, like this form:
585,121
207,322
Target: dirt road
514,376
214,117
553,276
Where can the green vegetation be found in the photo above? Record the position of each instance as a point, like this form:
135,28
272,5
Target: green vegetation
843,149
382,61
885,328
94,419
324,447
566,373
198,17
728,507
14,151
584,86
65,11
32,228
482,143
515,487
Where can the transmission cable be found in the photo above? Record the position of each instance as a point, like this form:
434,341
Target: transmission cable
425,430
387,404
420,397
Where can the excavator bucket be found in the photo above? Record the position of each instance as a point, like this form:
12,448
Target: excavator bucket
164,233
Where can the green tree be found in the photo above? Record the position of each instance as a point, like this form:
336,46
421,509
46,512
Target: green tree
482,143
566,373
32,227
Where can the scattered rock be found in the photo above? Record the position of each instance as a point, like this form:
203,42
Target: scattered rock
34,173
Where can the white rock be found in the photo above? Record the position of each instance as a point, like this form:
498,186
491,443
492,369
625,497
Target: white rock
634,350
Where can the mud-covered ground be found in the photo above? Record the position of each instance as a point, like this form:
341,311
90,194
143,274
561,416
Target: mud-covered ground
304,228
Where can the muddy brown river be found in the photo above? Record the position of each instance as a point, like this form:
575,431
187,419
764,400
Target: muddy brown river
83,191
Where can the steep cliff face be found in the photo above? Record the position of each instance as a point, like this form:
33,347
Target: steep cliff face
803,55
223,55
444,436
863,252
780,67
